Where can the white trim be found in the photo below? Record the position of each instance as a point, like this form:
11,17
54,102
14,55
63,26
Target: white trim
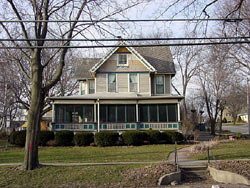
179,115
158,75
100,63
131,49
117,60
150,87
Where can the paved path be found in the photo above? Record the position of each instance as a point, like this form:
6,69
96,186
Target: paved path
183,158
236,128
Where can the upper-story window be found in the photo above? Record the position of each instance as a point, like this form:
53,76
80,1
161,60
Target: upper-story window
159,84
122,60
83,88
111,82
91,86
133,82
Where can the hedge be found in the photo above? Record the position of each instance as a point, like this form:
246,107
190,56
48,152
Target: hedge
171,136
64,138
135,138
83,138
106,138
44,137
18,138
153,136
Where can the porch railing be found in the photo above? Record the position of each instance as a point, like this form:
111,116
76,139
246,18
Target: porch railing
116,126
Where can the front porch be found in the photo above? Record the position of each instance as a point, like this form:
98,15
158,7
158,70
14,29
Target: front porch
116,114
93,127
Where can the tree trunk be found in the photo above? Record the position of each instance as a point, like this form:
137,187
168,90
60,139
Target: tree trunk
213,122
34,115
221,114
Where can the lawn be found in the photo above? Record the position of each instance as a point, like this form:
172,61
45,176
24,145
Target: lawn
236,124
239,149
92,154
77,176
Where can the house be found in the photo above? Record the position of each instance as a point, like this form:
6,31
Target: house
128,89
243,117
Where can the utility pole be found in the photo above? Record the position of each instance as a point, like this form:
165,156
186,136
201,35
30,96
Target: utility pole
248,107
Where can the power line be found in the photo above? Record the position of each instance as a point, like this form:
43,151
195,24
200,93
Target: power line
134,20
131,39
132,45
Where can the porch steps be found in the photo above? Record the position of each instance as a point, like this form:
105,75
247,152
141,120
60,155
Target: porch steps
205,136
190,173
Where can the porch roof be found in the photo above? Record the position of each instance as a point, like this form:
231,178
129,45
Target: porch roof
115,96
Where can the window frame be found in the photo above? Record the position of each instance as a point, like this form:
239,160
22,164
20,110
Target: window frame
93,89
115,83
118,59
137,80
156,77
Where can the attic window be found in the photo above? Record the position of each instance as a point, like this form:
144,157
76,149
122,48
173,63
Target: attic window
122,60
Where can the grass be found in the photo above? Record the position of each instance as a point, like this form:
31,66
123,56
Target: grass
236,124
77,176
92,154
238,149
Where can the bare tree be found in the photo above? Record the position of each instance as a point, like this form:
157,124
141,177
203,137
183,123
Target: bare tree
42,11
214,78
187,59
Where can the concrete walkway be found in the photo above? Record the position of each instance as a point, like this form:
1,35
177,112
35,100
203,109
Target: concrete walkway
184,159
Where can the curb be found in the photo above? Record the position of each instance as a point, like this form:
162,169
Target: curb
227,177
168,178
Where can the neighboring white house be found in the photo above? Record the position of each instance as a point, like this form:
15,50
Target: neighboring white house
128,89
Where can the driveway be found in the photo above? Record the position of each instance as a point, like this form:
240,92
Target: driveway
236,129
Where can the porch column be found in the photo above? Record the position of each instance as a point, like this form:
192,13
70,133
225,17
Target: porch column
179,114
137,111
95,112
53,113
98,115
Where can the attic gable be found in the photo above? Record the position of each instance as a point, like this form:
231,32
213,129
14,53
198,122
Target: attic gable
122,49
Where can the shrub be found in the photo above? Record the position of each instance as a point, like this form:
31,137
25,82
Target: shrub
83,138
18,138
153,136
238,135
172,136
106,138
133,137
64,138
44,137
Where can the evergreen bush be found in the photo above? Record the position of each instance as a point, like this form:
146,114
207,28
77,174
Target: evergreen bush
106,138
18,138
83,138
64,138
135,138
44,137
153,136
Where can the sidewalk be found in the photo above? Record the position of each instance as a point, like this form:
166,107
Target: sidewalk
183,158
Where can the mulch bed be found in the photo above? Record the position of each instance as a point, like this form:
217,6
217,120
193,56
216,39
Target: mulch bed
236,166
148,176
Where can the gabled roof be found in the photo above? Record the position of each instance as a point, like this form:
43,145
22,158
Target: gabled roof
157,59
132,50
83,66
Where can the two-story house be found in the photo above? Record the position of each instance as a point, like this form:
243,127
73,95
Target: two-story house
128,89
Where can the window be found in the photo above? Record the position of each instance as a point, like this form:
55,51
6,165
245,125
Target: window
83,88
91,86
144,113
162,113
172,116
131,113
112,113
153,112
59,108
89,113
120,113
159,84
111,83
133,82
78,114
103,113
122,60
